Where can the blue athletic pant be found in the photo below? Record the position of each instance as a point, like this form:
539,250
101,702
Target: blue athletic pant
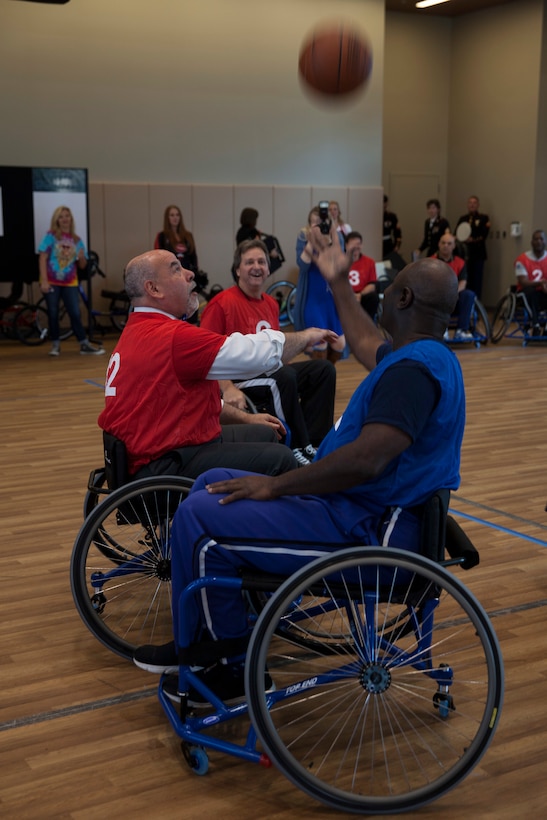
277,536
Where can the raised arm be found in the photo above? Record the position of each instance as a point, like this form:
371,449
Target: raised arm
362,335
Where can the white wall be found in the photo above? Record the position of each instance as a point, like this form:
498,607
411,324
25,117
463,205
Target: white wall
170,91
495,100
461,107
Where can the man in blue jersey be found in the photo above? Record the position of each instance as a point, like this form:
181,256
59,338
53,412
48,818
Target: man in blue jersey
397,442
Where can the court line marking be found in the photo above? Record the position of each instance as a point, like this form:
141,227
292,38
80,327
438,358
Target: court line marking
498,527
499,512
77,709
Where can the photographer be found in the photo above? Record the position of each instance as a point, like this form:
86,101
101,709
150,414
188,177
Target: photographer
314,303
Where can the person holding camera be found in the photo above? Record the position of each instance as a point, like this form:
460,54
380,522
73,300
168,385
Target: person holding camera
314,305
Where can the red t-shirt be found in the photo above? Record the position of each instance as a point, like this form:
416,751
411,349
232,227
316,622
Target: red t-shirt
156,394
534,269
362,273
456,263
232,311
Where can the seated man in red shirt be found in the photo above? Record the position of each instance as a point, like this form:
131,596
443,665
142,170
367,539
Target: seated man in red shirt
162,397
301,393
531,273
362,274
466,298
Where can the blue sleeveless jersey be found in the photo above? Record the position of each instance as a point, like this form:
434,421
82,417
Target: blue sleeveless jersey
431,462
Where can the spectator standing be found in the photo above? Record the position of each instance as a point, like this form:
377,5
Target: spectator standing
176,238
334,212
434,227
392,235
314,299
475,244
61,255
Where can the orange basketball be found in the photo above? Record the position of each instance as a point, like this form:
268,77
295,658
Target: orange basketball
335,60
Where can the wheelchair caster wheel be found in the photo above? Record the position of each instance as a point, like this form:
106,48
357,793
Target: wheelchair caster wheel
444,703
196,757
98,602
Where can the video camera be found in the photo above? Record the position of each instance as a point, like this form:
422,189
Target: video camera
325,223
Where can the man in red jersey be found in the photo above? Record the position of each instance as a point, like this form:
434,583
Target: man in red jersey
466,298
362,274
162,397
301,393
531,273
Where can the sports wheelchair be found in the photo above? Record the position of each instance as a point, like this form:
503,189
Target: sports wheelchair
388,677
479,326
120,570
513,309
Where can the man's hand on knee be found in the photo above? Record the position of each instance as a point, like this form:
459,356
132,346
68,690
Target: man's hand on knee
257,487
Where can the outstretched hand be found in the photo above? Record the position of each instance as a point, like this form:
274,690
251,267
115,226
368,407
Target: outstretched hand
257,487
328,254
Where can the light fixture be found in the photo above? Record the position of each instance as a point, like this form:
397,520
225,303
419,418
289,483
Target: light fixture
424,4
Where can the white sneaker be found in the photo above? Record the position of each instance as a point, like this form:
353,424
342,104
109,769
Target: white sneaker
55,349
463,336
446,337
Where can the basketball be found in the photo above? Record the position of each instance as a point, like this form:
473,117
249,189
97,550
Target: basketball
335,60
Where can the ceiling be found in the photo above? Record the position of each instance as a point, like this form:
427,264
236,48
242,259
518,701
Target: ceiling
451,9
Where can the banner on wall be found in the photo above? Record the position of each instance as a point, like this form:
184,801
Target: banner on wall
28,198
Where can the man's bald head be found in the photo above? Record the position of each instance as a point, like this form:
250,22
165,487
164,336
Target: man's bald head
433,283
138,270
421,299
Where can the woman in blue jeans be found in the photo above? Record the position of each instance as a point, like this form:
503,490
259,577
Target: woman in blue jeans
61,253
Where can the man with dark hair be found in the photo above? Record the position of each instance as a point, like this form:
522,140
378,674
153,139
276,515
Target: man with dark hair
475,244
300,393
362,274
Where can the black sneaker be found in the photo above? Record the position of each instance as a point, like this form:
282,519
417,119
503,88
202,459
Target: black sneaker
310,452
303,460
157,659
88,350
227,681
536,330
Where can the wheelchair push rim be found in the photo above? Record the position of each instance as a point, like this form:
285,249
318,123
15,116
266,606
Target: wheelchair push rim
120,569
396,711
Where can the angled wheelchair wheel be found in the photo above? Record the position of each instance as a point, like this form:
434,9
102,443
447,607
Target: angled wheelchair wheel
284,293
480,324
30,325
503,316
391,693
120,569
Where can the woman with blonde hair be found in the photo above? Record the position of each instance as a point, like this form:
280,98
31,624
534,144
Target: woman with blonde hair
176,238
334,213
61,255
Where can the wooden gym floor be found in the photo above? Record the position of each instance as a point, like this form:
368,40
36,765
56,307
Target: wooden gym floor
82,734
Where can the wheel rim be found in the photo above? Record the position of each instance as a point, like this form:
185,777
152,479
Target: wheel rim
121,565
381,751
